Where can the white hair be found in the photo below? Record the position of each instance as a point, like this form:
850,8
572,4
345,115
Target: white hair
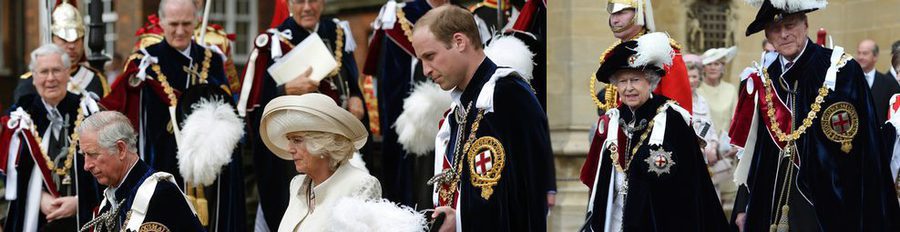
49,49
164,3
337,148
110,126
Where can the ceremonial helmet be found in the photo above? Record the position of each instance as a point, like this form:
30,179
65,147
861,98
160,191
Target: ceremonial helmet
67,22
776,10
643,11
649,52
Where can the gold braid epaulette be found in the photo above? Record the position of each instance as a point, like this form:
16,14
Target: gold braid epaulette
25,75
611,94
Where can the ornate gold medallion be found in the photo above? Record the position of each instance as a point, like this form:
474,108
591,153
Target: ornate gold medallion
486,160
840,124
659,162
153,227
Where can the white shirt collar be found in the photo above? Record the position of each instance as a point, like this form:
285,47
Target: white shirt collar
893,72
110,192
784,60
186,52
870,77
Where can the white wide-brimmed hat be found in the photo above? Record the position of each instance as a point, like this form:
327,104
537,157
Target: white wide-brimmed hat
308,112
716,54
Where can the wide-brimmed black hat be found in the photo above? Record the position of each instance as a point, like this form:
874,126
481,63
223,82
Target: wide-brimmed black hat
775,10
649,52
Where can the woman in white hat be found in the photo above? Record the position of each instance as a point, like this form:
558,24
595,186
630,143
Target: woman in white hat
721,96
320,137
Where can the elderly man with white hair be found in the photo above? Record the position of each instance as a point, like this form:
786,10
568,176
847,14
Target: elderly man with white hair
812,159
137,197
47,190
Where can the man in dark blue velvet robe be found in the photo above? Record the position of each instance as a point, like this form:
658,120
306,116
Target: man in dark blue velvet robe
497,152
835,176
67,203
138,198
392,61
154,79
274,174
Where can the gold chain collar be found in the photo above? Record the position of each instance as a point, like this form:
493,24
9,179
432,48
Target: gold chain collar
67,165
405,24
614,154
807,122
164,81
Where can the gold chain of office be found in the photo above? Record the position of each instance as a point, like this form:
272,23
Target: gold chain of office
807,122
67,165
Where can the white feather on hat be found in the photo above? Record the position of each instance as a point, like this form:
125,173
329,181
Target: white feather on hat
653,49
511,52
352,215
792,6
208,139
417,126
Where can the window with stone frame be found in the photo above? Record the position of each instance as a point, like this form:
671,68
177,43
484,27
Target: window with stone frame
238,17
714,16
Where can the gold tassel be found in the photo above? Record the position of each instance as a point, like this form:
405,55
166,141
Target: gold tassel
202,207
783,221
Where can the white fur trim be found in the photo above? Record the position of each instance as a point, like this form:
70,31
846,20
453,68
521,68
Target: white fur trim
353,214
653,49
512,52
417,126
209,137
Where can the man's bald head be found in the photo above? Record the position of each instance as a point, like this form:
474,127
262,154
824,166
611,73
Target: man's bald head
867,54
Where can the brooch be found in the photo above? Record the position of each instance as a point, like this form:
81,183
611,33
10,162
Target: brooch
840,124
660,161
486,160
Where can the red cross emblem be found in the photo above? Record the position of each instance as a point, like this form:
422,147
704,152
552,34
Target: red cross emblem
661,161
483,162
840,122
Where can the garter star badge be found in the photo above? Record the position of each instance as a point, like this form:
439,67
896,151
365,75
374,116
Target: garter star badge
660,161
840,124
486,160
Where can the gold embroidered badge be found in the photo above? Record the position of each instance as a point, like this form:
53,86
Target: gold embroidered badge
840,124
153,227
486,160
